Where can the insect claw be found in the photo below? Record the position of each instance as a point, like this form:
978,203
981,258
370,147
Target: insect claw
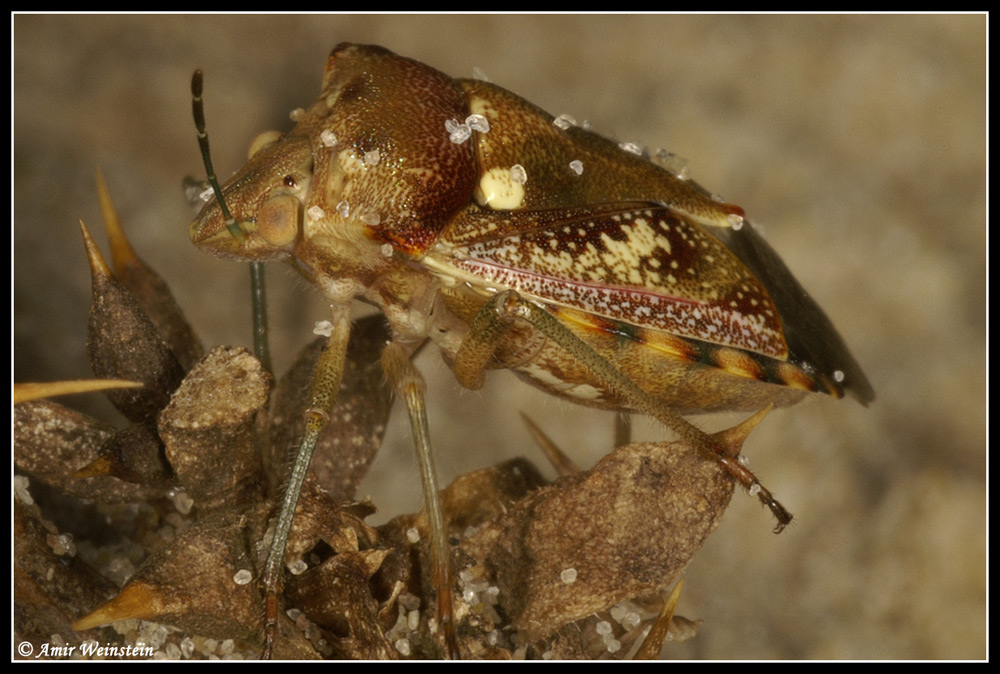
445,614
270,624
783,516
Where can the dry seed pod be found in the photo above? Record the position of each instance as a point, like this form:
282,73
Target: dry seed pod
134,454
191,584
124,344
544,571
482,496
147,287
50,589
339,525
346,606
204,581
625,529
209,425
52,442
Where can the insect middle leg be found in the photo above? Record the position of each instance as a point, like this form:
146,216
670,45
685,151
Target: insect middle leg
410,386
494,319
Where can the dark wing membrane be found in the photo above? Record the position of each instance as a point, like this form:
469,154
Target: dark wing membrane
812,340
639,264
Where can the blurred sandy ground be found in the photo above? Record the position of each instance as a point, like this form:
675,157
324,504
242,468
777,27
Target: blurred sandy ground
857,142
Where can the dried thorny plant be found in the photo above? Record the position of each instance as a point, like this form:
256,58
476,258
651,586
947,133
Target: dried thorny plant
147,541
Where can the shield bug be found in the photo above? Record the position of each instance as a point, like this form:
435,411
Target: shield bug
514,239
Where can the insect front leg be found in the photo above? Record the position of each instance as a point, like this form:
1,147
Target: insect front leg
495,317
410,386
322,395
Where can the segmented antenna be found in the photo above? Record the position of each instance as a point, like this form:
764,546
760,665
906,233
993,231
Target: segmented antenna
198,108
258,289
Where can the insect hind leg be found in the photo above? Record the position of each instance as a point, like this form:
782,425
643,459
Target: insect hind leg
501,310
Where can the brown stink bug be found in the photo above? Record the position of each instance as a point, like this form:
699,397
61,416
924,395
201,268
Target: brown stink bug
513,239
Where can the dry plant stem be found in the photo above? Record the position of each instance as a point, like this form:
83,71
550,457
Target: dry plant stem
496,315
322,395
410,386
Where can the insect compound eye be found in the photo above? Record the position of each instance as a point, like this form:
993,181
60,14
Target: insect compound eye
278,219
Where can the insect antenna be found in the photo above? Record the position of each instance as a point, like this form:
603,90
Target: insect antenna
258,290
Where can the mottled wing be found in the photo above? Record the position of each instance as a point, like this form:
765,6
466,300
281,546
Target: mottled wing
637,264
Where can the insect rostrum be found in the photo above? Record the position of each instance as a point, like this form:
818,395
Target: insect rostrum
514,240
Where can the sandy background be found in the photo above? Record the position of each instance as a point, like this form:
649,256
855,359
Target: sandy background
857,142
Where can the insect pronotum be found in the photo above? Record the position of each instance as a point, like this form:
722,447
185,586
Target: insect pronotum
515,239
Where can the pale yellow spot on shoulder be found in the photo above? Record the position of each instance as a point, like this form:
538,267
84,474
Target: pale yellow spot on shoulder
497,190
